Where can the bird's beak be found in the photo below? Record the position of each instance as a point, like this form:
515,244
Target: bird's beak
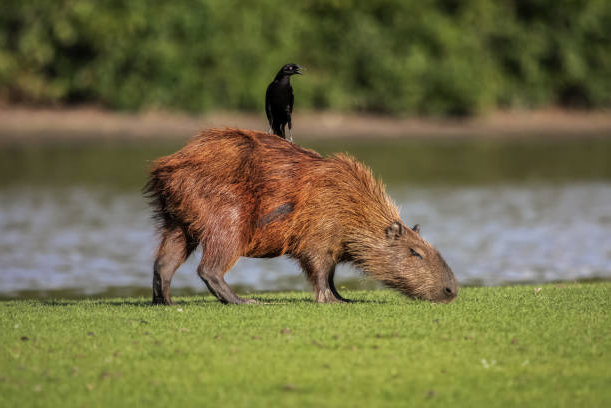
298,71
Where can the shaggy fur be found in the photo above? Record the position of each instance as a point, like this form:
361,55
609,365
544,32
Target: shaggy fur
245,193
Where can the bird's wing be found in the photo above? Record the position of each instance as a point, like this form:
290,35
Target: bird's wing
268,104
291,100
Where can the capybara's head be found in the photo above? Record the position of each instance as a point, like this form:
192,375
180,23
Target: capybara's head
416,268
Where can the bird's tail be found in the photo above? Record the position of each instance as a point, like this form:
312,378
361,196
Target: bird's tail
279,130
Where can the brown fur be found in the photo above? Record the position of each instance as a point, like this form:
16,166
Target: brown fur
246,193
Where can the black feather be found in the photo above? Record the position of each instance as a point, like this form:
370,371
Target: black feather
279,100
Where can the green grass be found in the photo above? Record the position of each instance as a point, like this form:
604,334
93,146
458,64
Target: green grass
501,346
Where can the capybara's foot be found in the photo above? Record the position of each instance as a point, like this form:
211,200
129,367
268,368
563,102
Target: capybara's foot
162,301
243,301
236,300
326,296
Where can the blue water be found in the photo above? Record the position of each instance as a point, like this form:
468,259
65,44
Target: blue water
88,239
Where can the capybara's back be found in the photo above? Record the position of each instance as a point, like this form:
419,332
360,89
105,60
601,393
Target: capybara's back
245,193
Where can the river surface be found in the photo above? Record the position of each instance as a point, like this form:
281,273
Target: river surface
73,222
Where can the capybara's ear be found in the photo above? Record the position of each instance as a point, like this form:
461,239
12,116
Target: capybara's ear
416,228
394,231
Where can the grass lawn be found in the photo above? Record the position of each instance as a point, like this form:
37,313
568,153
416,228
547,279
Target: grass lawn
501,346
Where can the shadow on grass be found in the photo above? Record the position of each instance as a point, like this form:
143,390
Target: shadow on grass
267,300
121,303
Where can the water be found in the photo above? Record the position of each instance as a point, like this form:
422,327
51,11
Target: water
73,221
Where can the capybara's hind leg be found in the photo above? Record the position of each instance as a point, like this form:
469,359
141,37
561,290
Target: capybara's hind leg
174,249
212,275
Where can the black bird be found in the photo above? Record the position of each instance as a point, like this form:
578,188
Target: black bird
279,100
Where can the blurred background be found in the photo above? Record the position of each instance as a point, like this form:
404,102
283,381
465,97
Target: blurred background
444,57
489,122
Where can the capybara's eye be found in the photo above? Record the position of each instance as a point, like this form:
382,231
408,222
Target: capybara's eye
414,253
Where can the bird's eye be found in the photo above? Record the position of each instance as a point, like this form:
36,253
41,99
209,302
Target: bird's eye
416,254
290,68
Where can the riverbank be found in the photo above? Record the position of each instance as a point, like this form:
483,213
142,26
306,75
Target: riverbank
494,346
34,125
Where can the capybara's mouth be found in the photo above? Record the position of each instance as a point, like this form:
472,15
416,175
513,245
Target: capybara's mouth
443,297
445,300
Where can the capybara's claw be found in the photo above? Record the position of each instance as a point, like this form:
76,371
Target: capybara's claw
239,301
326,296
162,301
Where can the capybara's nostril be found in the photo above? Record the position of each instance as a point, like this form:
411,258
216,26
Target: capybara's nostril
447,291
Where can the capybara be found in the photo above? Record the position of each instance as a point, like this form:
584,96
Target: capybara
246,193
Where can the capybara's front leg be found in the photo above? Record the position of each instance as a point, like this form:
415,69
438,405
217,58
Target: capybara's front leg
333,290
172,252
213,278
320,273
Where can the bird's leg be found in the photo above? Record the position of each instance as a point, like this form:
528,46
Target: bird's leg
271,121
290,131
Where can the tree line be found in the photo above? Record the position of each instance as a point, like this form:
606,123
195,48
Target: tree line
432,57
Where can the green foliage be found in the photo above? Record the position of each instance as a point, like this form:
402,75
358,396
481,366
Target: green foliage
503,346
390,56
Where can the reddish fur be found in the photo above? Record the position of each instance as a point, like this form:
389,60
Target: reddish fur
246,193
